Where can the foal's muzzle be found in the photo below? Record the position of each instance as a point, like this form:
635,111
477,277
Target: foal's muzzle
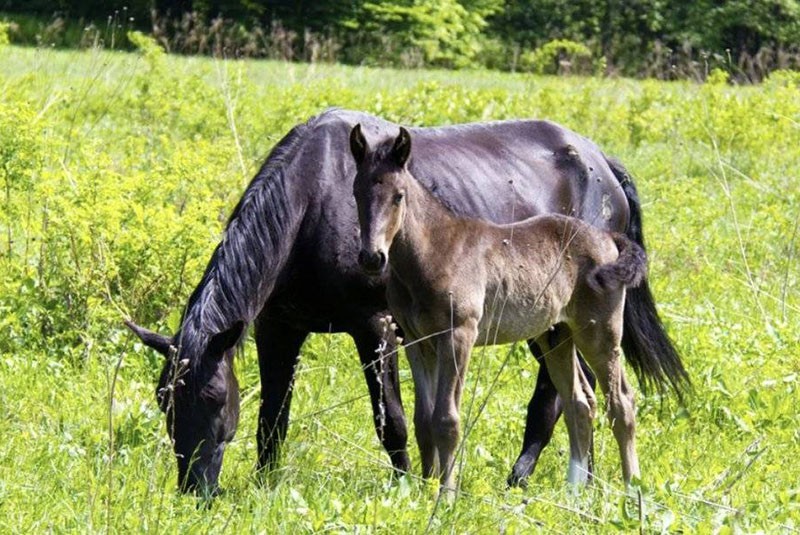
372,262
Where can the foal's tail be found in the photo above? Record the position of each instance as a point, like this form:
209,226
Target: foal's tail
628,270
647,347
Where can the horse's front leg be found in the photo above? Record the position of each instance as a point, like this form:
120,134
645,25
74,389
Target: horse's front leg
452,352
381,373
278,350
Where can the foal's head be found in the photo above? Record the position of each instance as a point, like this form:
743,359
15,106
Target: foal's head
199,395
380,188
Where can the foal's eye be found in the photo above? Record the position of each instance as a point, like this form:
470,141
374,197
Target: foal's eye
398,197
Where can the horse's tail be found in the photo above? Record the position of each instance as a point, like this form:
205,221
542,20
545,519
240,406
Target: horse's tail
628,270
647,347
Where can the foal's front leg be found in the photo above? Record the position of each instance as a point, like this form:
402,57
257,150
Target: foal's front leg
453,352
423,370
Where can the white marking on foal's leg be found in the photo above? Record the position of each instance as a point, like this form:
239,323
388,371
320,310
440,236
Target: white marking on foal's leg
578,472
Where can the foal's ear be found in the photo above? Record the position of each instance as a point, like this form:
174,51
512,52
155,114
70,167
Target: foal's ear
159,342
402,147
220,343
358,144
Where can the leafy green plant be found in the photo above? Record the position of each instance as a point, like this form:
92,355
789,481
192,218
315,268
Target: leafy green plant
148,47
4,28
558,56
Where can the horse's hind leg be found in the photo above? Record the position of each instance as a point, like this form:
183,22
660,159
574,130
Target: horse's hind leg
381,373
544,409
579,403
278,350
600,343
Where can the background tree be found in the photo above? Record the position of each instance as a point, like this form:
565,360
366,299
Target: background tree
634,37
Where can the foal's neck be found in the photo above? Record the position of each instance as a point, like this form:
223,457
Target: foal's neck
425,207
425,230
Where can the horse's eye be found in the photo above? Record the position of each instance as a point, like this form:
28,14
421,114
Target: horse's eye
397,199
215,395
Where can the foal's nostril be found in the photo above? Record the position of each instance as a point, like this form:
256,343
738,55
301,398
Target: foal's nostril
371,262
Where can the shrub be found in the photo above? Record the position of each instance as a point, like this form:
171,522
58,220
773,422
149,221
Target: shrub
4,29
558,57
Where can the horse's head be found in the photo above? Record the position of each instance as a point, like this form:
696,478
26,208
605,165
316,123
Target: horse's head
379,189
199,395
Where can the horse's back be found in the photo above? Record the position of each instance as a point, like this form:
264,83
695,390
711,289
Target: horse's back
503,171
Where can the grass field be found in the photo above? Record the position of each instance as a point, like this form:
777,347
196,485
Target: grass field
118,172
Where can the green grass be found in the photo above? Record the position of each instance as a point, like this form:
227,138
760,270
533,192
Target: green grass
118,171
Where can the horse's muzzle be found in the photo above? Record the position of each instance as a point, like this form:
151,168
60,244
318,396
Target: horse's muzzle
202,475
372,262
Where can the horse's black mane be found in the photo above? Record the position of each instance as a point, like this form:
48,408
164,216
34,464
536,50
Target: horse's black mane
241,268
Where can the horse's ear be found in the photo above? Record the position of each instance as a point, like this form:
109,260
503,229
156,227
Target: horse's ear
358,144
159,342
220,343
402,147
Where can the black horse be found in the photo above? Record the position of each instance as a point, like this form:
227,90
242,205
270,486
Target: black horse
288,262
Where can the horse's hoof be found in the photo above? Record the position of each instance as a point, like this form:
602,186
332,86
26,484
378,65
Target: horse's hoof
206,498
401,463
517,481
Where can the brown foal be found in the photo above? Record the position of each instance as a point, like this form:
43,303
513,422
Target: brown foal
456,282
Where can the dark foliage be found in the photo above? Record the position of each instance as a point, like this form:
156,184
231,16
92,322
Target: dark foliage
661,38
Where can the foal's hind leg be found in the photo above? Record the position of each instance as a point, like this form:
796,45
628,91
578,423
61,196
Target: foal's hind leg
544,409
381,373
600,342
579,403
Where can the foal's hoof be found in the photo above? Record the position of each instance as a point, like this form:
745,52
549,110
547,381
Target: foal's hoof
447,496
634,487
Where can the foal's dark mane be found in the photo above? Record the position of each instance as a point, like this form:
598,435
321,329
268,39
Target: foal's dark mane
238,275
